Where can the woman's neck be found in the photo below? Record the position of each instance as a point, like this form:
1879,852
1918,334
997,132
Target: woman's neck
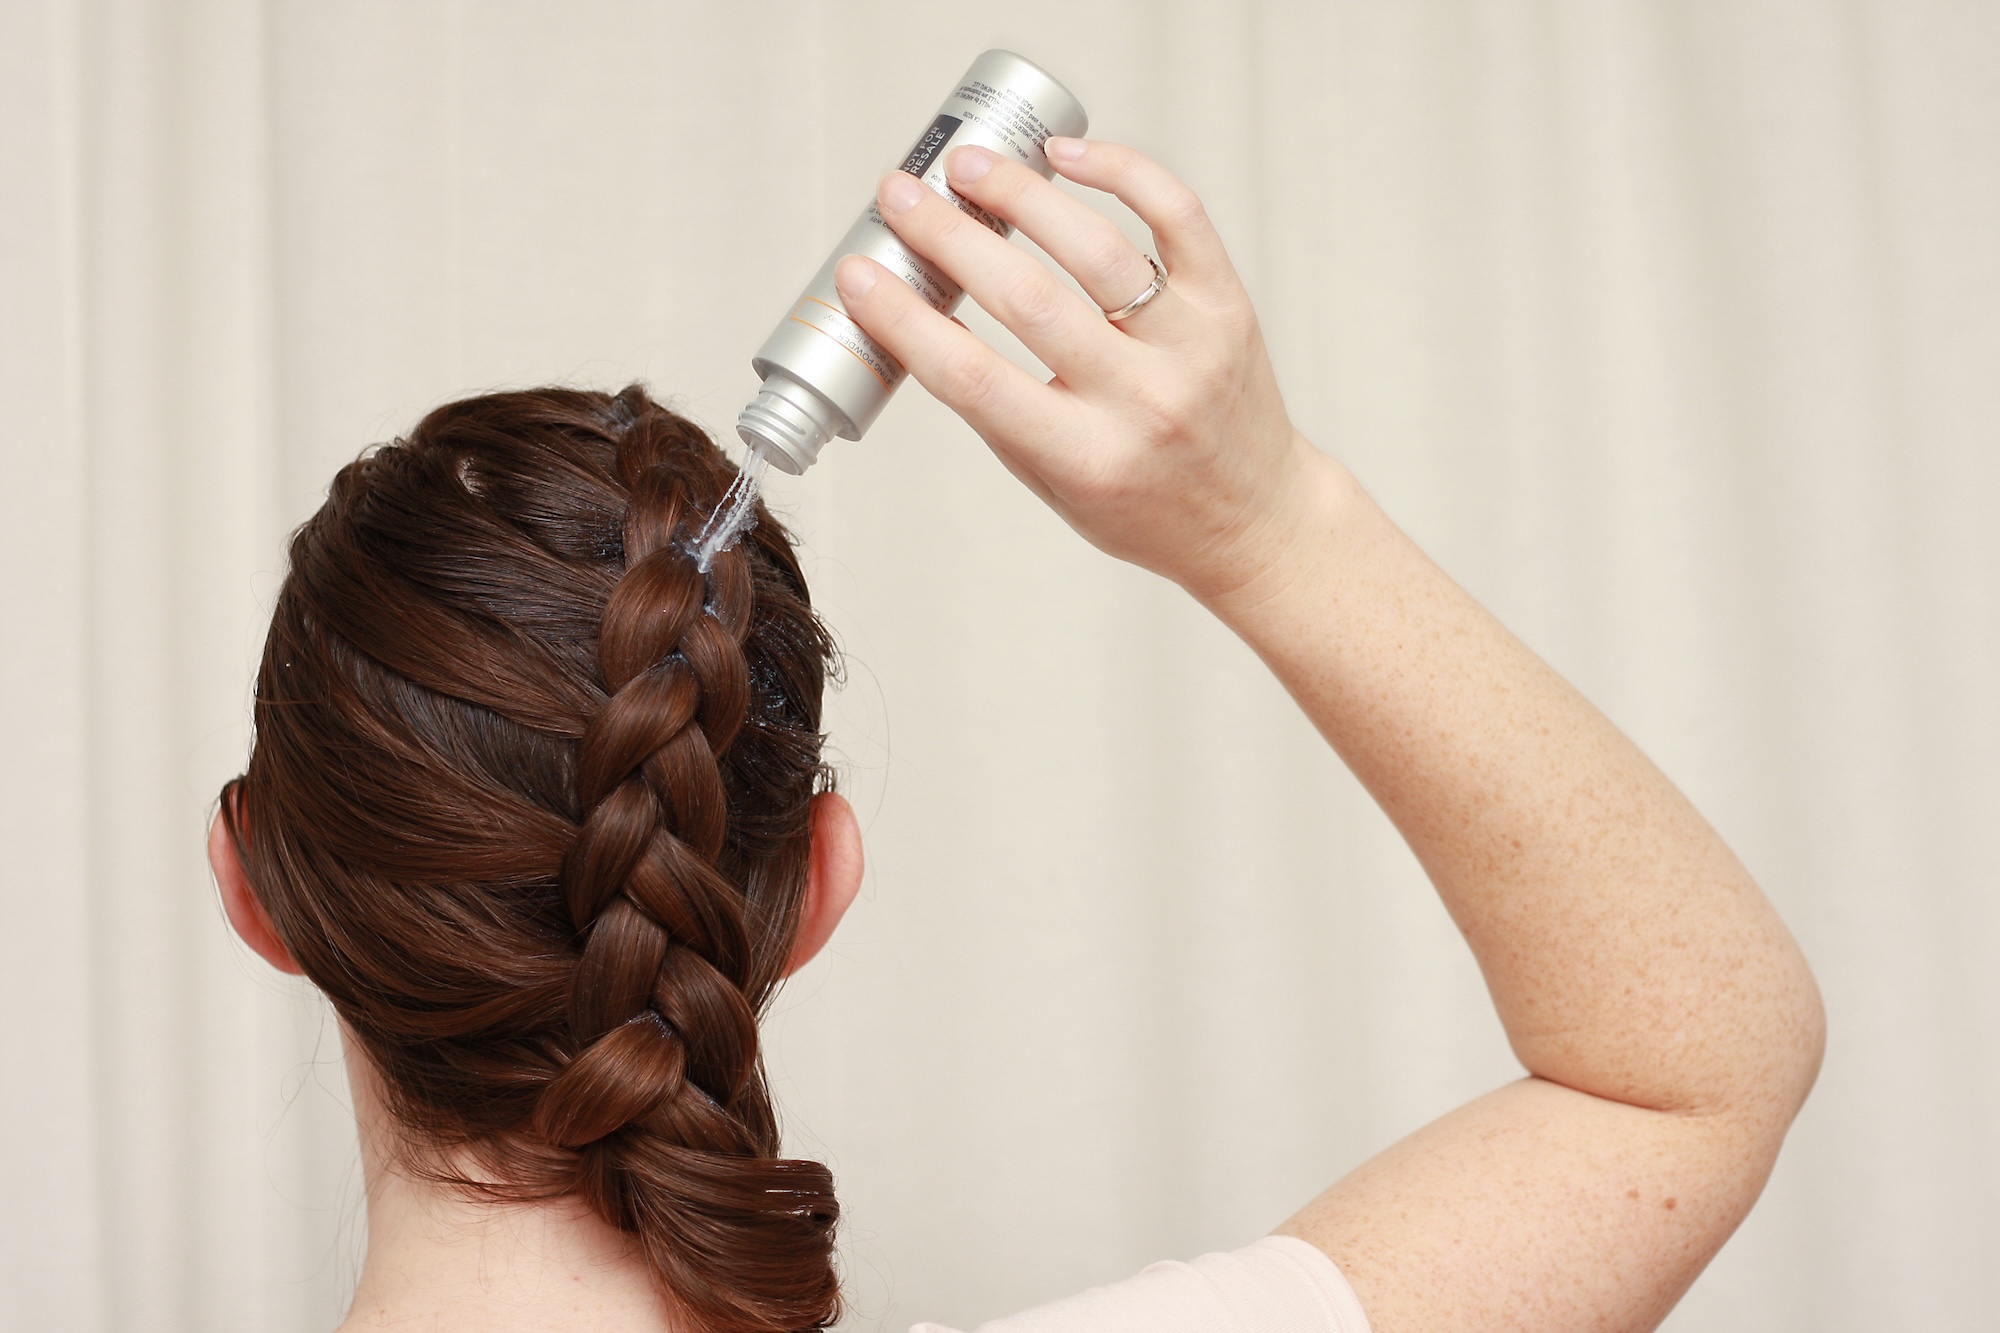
440,1262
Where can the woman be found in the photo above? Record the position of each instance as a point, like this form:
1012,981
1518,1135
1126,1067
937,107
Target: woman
540,807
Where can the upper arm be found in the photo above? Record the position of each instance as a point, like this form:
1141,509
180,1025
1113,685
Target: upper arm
1540,1207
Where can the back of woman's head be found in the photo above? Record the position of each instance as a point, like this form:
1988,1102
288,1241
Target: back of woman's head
529,801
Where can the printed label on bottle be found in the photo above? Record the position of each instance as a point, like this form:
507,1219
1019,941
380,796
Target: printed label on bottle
831,320
1007,115
923,163
930,145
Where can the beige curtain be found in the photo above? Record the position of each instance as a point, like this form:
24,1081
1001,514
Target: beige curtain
1673,329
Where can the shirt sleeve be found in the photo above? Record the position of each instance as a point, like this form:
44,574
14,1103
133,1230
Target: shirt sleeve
1280,1284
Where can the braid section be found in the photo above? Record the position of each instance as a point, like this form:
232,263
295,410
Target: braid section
664,1101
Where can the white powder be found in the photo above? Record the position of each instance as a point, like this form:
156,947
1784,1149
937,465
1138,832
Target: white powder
734,513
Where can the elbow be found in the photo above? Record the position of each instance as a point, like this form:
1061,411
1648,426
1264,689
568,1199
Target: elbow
1768,1100
1751,1116
1808,1045
1769,1049
1784,1007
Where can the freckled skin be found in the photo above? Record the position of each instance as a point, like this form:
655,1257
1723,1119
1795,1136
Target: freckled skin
1668,1023
1669,1027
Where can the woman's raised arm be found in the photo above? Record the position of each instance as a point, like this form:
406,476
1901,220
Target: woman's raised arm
1669,1025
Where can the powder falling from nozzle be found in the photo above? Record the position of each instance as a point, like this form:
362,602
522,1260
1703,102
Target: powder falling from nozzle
734,513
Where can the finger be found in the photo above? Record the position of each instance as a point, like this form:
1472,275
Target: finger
1189,245
996,397
1010,284
1088,245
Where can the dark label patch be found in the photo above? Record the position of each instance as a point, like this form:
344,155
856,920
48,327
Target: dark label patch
930,145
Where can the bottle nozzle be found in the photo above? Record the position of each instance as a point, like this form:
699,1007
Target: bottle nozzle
786,423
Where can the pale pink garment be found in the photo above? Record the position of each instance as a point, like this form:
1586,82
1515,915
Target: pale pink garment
1281,1284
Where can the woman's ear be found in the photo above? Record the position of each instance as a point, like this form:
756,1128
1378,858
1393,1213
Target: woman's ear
239,904
833,876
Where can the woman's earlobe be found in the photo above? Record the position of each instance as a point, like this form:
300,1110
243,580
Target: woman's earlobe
239,904
833,876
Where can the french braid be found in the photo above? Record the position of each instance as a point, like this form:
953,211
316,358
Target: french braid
655,1098
529,801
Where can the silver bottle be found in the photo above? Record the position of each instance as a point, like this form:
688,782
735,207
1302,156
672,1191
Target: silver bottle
822,375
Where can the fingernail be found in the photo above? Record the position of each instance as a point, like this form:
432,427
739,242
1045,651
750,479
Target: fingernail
854,276
968,164
1062,148
900,192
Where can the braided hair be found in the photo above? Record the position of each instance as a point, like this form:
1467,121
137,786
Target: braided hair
529,800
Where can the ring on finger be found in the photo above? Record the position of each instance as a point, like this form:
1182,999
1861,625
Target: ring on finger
1153,289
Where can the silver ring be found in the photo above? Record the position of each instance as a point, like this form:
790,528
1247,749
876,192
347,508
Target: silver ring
1158,285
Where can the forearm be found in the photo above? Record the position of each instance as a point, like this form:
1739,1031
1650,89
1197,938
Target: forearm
1639,972
1629,954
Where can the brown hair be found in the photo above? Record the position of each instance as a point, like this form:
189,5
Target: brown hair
529,800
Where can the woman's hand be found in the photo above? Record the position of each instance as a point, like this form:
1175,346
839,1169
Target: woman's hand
1161,438
1669,1021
